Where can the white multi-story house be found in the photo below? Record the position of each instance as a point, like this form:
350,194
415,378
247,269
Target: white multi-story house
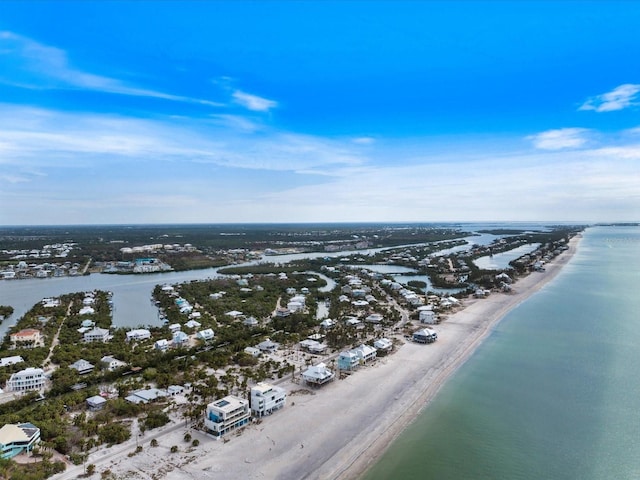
365,353
111,363
29,337
138,334
226,414
318,374
206,334
96,334
266,399
25,380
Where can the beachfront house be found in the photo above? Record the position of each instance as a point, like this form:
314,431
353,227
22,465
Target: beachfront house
26,380
348,360
425,335
366,353
226,414
317,375
18,438
427,316
266,399
383,344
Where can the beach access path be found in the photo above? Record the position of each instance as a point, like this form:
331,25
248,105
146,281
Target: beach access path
341,429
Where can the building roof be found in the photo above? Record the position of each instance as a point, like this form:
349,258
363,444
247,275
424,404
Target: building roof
229,403
22,432
27,332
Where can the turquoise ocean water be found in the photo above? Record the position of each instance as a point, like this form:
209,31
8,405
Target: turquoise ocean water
553,393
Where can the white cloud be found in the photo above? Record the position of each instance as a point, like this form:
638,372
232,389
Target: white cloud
364,140
619,98
30,64
560,139
253,102
37,137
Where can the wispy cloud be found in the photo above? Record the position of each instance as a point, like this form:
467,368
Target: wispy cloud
619,98
364,140
559,139
38,137
33,65
253,102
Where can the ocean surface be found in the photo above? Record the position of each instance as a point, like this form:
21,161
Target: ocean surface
553,393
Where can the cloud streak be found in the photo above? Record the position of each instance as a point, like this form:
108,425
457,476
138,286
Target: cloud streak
253,102
563,138
33,65
619,98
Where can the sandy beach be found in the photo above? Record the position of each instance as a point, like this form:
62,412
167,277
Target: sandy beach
339,430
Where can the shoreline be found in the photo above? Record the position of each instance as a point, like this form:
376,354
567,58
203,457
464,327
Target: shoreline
337,431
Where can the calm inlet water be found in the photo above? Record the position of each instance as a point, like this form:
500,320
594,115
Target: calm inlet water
554,392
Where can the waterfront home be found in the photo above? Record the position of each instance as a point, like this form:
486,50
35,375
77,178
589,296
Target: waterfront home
348,360
226,414
82,366
96,403
26,380
427,316
206,334
366,353
162,344
317,375
174,327
26,338
138,334
111,363
383,344
96,334
268,346
425,335
6,361
18,438
266,399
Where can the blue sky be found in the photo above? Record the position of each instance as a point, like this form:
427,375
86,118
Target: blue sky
220,111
